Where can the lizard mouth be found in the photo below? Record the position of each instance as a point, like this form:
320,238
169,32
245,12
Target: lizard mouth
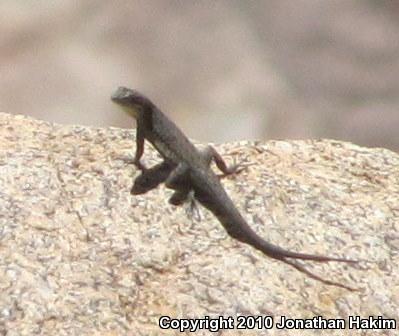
121,95
124,97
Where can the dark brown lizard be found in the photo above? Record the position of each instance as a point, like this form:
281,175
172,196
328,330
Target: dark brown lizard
186,169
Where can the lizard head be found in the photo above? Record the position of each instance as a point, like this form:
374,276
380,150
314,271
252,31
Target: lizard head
132,102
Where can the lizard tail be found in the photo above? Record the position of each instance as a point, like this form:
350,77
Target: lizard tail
279,253
251,238
245,234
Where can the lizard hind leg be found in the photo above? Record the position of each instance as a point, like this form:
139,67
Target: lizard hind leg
178,180
210,154
179,197
151,178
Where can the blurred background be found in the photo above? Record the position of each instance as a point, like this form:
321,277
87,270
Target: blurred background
223,70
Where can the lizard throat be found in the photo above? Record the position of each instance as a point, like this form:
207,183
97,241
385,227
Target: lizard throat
130,110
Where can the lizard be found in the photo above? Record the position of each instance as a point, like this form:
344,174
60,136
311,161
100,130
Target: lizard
186,169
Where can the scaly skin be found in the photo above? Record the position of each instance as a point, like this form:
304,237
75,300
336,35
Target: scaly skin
187,169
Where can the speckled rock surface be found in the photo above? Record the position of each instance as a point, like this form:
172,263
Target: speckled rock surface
80,256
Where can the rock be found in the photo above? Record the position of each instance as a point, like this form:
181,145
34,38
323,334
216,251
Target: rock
80,255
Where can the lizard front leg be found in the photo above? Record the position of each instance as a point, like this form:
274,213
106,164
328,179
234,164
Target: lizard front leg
139,147
139,150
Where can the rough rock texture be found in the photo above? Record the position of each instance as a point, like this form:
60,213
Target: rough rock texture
80,256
